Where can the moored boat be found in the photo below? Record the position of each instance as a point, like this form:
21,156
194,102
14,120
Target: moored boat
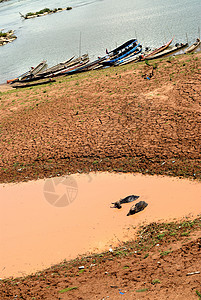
31,73
160,49
21,85
133,48
119,49
98,63
130,58
168,51
194,46
58,70
86,67
55,68
62,67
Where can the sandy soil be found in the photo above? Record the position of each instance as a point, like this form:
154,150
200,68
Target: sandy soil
107,120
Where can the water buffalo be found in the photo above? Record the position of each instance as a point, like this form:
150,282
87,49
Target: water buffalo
137,208
127,199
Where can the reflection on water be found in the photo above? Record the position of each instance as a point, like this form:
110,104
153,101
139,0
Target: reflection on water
103,24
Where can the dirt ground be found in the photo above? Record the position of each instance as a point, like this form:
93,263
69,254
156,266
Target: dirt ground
162,263
110,120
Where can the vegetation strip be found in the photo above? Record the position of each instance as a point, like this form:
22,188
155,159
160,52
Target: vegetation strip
68,289
7,37
44,12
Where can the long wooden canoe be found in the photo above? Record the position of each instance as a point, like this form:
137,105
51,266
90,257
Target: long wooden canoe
194,46
122,47
124,54
56,68
62,67
58,72
130,58
31,73
160,49
25,85
168,51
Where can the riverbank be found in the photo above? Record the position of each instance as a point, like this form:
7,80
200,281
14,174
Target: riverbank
111,120
107,120
163,262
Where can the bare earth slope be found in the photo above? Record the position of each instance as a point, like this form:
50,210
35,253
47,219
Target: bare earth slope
113,119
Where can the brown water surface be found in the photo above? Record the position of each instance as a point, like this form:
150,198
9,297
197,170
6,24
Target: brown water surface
34,234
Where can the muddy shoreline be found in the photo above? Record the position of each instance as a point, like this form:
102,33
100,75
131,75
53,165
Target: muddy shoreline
162,262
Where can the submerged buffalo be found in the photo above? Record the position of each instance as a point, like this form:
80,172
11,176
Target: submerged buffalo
128,199
137,208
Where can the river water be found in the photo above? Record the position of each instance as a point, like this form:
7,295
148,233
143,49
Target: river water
101,24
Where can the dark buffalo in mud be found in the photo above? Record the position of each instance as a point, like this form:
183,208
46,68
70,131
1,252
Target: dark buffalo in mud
127,199
137,208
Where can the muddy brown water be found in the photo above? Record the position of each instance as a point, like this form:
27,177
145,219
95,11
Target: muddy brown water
46,221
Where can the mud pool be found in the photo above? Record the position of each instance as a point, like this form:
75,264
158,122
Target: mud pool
46,221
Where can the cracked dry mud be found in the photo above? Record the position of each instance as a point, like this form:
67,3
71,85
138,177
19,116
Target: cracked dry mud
106,120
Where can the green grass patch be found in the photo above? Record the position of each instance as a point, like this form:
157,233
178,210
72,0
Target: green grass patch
126,267
185,233
68,289
141,290
82,271
155,281
165,253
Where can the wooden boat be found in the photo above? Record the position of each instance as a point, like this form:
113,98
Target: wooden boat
194,46
168,51
54,72
63,72
81,64
121,48
96,64
55,68
160,49
87,67
122,55
130,58
31,73
25,85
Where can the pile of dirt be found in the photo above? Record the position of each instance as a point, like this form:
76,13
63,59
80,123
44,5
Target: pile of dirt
162,263
109,120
